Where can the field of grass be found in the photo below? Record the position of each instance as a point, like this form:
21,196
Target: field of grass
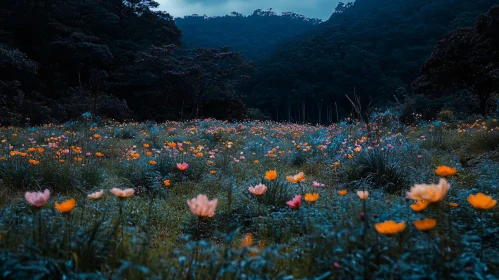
311,225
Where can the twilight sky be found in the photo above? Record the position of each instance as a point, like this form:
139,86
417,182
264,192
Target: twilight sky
310,8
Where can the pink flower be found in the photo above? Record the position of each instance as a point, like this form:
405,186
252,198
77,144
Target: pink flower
423,137
203,207
258,189
182,166
37,199
96,195
295,203
317,184
122,193
88,154
420,156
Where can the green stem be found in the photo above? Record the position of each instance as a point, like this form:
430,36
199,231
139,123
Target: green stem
481,235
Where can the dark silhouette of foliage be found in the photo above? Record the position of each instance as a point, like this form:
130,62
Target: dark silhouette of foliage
374,48
466,59
255,36
117,59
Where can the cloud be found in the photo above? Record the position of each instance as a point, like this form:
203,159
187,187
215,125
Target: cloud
310,8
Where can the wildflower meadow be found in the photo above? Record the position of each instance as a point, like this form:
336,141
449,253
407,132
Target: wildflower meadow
207,199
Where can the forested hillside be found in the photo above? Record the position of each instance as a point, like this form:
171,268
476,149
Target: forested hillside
127,60
374,47
255,36
117,59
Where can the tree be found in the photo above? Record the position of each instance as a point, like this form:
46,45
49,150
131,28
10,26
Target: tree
465,59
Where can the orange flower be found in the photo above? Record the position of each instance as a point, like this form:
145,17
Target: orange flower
419,206
66,206
40,150
430,193
99,154
482,201
146,146
342,192
311,197
271,175
97,136
61,161
213,172
122,193
148,153
445,171
96,195
389,227
296,178
425,224
362,194
152,162
78,159
166,183
247,240
256,161
34,162
172,145
453,204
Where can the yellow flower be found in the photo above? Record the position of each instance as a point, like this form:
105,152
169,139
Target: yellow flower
342,192
66,206
389,227
271,175
296,178
445,171
311,197
482,201
419,206
363,194
430,193
425,224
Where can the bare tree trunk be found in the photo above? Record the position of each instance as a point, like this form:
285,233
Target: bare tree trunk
303,112
337,118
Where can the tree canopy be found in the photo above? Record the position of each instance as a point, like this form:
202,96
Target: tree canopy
465,59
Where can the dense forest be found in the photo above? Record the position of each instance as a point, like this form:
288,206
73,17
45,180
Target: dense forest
372,48
255,36
127,60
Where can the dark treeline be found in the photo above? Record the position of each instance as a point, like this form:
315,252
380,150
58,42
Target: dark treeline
255,36
119,59
125,60
375,48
